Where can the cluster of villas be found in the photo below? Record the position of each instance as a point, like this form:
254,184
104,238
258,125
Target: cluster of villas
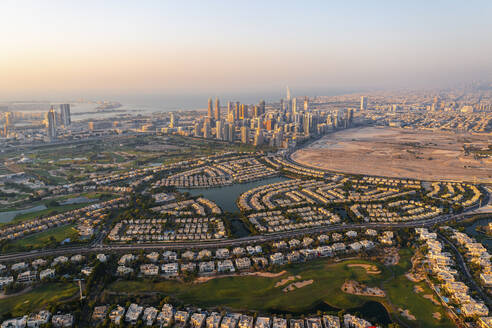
219,174
477,254
456,193
440,265
397,211
295,218
41,269
89,215
172,229
199,206
280,163
336,190
105,179
168,316
40,319
224,260
449,119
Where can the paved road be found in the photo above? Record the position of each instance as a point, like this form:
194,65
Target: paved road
464,269
257,239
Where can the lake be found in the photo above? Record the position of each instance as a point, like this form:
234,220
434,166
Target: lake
479,236
10,215
226,196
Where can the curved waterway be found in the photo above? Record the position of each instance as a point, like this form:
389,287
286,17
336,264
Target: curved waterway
10,215
226,196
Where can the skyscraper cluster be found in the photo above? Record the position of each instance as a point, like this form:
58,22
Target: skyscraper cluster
51,119
290,121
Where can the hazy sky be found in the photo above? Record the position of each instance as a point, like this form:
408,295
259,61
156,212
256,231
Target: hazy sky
80,48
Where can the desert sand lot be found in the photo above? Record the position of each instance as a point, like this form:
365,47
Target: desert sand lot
402,153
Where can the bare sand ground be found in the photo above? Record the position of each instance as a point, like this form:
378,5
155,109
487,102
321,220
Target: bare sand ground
402,153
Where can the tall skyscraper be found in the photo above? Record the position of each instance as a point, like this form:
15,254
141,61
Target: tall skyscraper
262,107
218,130
243,114
217,109
306,104
244,134
66,119
363,103
230,112
206,129
236,111
294,106
210,104
173,121
8,118
51,124
288,94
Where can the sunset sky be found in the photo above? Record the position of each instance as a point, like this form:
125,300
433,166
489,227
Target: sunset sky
76,48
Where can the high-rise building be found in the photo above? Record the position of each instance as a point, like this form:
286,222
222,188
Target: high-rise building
262,107
258,137
237,111
173,121
243,112
218,130
230,112
8,118
66,119
51,124
206,129
231,132
363,103
244,134
306,104
288,94
217,109
294,106
209,112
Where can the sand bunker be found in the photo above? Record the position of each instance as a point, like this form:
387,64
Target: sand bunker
287,280
370,269
403,153
436,315
432,298
356,288
406,314
296,285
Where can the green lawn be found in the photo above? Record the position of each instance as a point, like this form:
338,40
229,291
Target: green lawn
259,293
36,299
42,239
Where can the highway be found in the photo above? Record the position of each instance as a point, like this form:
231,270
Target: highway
97,246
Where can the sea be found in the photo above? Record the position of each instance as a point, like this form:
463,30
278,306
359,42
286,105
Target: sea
145,104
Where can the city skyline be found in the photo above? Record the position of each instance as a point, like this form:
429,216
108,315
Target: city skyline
169,48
